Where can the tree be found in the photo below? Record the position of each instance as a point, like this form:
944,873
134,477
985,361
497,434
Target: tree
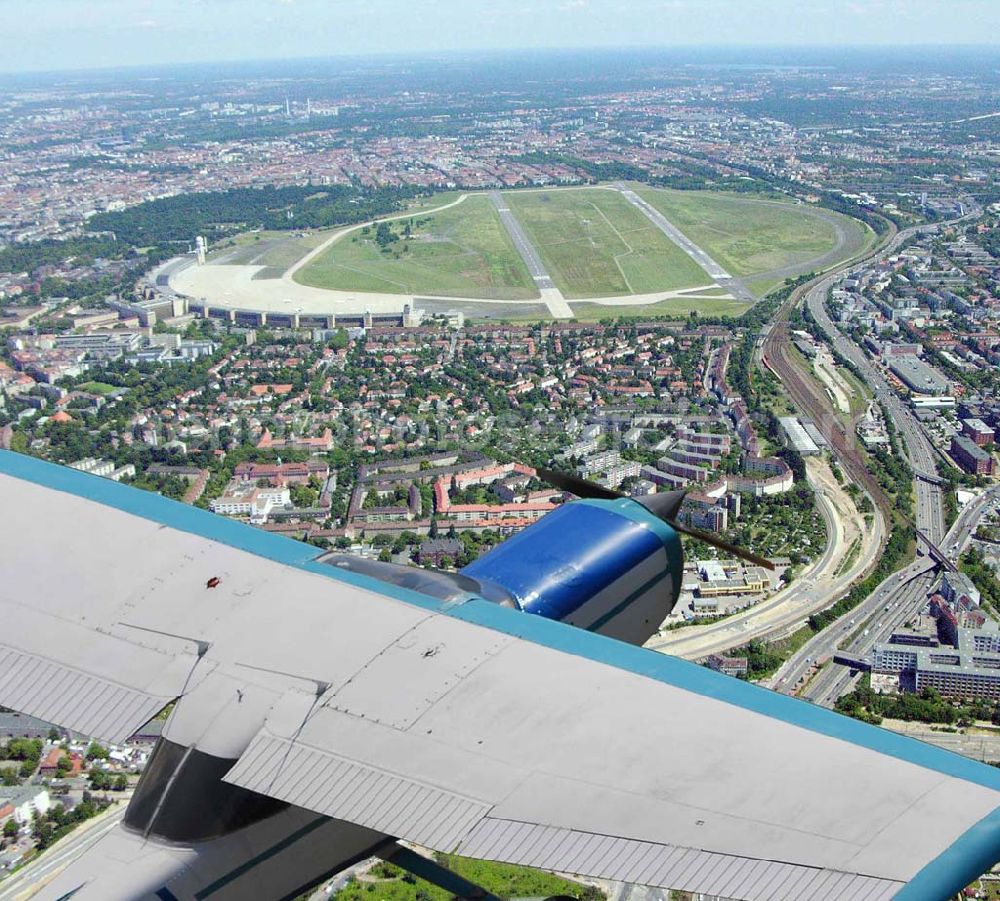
120,783
10,828
302,495
96,752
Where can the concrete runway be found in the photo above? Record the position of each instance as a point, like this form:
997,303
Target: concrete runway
235,287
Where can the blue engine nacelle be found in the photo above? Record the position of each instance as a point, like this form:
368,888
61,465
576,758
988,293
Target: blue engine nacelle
609,566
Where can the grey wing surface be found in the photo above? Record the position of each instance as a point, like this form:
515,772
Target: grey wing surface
472,728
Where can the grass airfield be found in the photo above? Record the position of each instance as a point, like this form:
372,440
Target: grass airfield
463,251
604,256
596,244
759,239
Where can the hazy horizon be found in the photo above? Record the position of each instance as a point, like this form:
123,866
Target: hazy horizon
68,35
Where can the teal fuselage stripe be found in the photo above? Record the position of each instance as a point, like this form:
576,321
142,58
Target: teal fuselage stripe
568,639
959,865
245,867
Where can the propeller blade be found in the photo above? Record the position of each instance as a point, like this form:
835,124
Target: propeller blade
666,505
716,542
576,485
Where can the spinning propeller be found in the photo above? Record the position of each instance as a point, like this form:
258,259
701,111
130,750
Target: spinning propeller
666,506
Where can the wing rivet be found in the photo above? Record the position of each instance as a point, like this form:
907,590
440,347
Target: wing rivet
213,582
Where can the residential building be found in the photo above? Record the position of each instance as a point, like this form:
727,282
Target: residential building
971,457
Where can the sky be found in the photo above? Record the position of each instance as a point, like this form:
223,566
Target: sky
41,35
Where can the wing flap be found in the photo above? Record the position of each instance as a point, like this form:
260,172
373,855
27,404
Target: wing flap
667,866
706,797
74,699
81,678
351,790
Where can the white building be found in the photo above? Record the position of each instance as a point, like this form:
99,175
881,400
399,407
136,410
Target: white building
26,801
257,503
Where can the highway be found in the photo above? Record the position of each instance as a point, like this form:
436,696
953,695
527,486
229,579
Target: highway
916,446
896,601
816,588
904,593
977,745
929,509
34,875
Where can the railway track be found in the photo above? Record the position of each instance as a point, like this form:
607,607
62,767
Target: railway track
807,395
815,404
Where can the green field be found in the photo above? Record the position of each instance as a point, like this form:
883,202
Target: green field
754,237
463,251
594,243
98,388
386,882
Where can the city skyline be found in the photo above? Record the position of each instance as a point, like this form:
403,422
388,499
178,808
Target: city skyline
69,35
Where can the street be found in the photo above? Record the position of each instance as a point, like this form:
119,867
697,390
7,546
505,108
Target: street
35,874
817,587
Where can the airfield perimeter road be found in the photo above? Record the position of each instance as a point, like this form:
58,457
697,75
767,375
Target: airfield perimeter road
552,296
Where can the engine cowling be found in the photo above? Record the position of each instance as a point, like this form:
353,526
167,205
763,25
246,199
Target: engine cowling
609,566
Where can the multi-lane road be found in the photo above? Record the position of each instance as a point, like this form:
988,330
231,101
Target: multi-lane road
822,583
929,512
31,877
917,447
897,599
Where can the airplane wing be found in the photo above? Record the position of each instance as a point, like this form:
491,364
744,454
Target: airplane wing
469,727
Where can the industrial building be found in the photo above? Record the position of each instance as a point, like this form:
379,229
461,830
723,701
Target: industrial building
918,376
797,436
717,578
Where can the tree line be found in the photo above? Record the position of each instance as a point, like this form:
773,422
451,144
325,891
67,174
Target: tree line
216,214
